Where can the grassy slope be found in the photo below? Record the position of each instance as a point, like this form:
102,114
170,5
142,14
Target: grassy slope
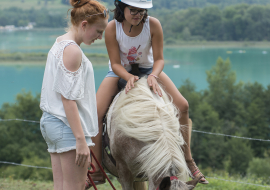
36,4
27,4
215,184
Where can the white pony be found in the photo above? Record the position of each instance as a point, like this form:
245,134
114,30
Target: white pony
145,140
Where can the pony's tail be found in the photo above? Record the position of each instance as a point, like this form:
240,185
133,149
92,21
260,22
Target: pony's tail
140,185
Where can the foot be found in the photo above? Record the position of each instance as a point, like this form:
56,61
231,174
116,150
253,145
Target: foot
97,177
196,172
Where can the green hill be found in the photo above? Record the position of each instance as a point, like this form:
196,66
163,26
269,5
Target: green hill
158,4
35,4
183,4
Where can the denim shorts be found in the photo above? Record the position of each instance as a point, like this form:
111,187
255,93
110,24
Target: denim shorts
142,70
58,136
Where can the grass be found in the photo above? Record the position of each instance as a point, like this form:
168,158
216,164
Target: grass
12,184
214,184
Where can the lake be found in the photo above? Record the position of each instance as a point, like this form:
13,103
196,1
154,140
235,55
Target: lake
250,64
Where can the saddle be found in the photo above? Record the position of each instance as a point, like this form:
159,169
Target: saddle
105,136
134,71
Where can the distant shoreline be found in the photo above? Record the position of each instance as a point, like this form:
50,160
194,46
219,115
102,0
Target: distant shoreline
39,59
43,63
220,44
209,44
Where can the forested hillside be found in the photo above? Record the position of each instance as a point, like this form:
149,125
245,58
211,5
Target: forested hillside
241,22
183,4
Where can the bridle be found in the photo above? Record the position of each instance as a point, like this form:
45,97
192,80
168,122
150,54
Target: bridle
171,178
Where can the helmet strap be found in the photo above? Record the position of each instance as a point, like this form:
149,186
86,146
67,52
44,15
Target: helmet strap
130,28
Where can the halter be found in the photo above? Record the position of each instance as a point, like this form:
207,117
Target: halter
171,178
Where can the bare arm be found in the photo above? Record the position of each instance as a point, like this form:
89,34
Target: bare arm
72,60
113,51
114,55
157,46
73,118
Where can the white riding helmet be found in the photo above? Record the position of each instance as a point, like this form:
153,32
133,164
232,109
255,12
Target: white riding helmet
144,4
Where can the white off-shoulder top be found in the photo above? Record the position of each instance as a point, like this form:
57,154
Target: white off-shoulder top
78,86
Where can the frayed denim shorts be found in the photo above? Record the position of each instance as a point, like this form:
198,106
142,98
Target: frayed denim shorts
58,136
142,70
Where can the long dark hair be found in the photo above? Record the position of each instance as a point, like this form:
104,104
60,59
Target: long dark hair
119,12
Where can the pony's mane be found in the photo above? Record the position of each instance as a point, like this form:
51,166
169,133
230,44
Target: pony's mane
143,115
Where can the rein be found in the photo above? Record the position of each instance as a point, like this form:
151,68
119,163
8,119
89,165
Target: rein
94,170
171,178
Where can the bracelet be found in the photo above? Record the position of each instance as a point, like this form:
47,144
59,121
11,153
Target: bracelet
153,76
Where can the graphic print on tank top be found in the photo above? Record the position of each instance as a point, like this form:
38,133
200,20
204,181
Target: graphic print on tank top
133,55
136,49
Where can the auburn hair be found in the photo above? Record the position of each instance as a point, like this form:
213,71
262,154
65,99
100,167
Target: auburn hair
82,8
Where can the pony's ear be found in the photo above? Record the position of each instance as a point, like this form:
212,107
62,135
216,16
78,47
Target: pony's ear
165,184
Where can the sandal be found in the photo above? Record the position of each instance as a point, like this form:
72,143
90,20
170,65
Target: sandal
196,172
98,179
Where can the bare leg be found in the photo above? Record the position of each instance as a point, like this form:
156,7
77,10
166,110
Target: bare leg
57,172
73,176
107,90
183,106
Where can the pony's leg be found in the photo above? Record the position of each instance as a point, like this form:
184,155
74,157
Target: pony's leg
183,106
107,89
125,176
140,185
151,185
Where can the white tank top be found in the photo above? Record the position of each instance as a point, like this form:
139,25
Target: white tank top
78,86
135,49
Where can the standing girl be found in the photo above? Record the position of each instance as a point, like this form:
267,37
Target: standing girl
68,100
134,37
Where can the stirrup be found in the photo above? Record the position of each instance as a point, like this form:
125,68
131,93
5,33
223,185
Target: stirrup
88,183
196,173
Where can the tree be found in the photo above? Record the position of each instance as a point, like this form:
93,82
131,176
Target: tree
20,140
257,126
207,149
188,90
238,154
211,23
267,102
260,167
224,94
